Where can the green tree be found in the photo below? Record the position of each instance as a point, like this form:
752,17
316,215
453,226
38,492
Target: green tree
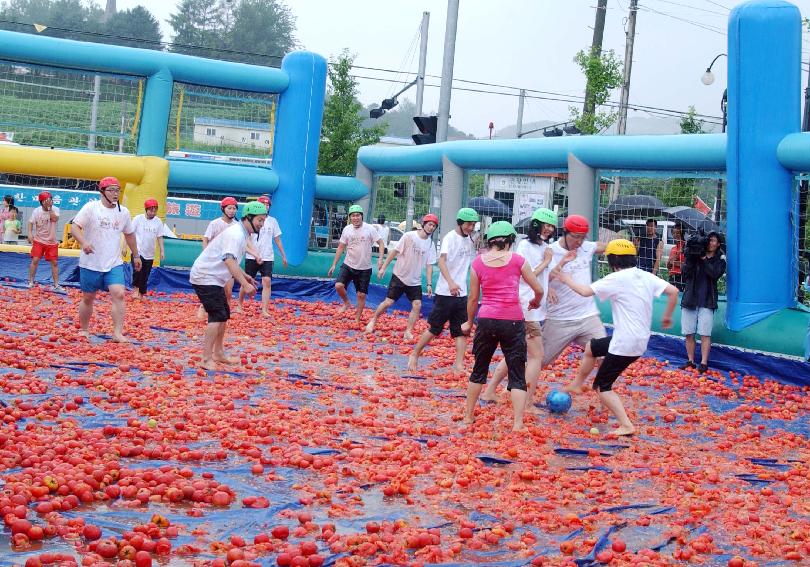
603,74
68,19
138,24
198,28
342,133
690,124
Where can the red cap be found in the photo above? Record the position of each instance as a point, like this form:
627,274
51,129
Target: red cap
264,199
149,203
44,196
107,182
430,217
228,201
576,223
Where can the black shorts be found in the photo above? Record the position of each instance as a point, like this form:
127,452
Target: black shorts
611,368
214,301
510,335
252,268
396,288
361,278
448,308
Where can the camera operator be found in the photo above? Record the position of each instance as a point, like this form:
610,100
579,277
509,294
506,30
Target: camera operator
704,265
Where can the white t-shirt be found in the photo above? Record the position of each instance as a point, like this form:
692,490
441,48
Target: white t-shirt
102,229
264,240
44,229
631,293
383,231
146,233
534,256
358,242
460,251
209,268
215,228
571,306
415,253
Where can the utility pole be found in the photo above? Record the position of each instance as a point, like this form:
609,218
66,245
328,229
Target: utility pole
521,102
621,128
444,101
420,92
596,50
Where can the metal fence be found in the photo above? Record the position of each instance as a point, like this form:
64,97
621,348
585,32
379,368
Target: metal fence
63,108
801,225
221,121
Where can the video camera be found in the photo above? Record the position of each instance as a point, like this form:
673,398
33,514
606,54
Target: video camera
696,244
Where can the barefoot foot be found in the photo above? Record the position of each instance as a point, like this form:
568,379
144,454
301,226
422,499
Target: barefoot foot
344,307
408,336
84,333
225,359
208,365
622,431
119,339
412,362
370,326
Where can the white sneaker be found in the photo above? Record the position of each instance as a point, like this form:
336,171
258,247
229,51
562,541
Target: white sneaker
58,287
29,285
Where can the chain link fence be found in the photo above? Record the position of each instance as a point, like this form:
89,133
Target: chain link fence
61,108
801,224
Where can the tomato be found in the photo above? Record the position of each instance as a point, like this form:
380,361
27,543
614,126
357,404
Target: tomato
618,546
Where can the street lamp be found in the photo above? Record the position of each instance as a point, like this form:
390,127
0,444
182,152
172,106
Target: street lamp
708,79
389,103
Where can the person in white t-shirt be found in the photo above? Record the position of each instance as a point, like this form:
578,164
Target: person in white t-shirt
148,233
538,254
229,207
414,251
211,272
570,317
356,239
97,228
631,292
42,236
450,301
263,242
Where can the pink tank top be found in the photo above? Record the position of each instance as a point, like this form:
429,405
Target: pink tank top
499,288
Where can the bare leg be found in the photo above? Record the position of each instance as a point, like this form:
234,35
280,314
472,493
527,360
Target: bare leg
413,359
201,314
377,312
473,391
229,291
461,348
690,347
266,285
341,291
585,366
705,347
518,407
117,310
498,375
416,306
212,333
238,308
534,349
86,312
614,404
32,270
54,272
358,310
219,346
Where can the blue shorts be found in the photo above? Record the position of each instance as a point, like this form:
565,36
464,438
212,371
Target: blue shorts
697,321
92,280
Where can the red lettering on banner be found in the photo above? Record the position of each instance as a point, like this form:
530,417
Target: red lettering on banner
193,210
172,208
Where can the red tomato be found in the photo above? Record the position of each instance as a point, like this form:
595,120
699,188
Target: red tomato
280,532
618,546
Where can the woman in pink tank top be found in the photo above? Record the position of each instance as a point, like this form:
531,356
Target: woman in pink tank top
496,275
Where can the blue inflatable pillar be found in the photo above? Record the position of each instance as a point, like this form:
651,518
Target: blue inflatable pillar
156,108
295,156
764,87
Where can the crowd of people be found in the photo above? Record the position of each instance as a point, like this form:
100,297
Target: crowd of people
529,297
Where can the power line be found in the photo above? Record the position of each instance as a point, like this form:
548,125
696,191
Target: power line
694,8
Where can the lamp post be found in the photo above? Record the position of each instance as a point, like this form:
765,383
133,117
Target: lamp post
708,79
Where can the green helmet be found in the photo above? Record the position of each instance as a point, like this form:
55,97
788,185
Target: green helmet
254,208
356,209
500,228
467,215
545,215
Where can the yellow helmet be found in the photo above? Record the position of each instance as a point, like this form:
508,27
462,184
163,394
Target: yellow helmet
620,247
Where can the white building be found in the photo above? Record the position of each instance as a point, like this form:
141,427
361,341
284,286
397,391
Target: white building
236,133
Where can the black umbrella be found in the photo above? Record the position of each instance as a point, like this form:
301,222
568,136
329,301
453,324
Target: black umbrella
490,207
691,219
637,206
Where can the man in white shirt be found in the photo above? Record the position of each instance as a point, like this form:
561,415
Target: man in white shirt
569,316
450,303
631,292
211,272
97,228
263,243
42,236
229,207
356,239
413,251
148,233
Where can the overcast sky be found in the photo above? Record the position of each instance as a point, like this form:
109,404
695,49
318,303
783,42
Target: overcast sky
526,44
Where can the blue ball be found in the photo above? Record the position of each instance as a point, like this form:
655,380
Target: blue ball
558,402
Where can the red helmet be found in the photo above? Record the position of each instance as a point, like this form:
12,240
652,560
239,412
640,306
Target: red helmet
44,196
108,182
149,203
228,201
265,200
576,223
430,217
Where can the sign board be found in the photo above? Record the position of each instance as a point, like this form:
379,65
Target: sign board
527,203
530,192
